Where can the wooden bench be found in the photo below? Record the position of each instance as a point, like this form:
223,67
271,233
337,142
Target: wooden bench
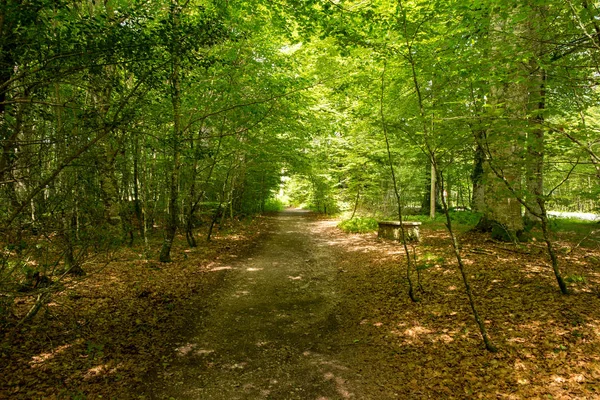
391,230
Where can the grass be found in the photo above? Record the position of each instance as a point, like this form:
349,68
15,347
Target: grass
579,226
358,225
462,220
465,220
585,233
460,217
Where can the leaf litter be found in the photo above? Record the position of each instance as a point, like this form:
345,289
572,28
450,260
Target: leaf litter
549,343
108,335
104,336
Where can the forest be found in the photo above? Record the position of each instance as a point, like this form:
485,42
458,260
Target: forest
145,145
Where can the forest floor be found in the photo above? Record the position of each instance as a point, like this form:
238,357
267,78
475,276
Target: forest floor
290,307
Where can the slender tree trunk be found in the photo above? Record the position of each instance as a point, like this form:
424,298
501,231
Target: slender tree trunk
7,64
189,218
197,198
213,221
411,292
478,198
432,194
543,216
137,203
219,211
189,221
171,225
431,154
456,248
356,203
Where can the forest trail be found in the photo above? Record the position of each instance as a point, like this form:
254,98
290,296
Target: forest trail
271,332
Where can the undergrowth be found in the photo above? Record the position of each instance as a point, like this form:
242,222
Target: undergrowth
358,225
273,205
364,224
460,217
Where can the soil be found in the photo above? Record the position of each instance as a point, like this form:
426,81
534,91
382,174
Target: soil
290,307
313,313
273,329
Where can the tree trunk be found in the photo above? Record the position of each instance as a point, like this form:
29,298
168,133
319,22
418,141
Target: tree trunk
137,203
535,141
478,199
356,203
432,193
171,224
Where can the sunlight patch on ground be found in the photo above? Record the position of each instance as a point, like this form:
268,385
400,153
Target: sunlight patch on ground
595,326
543,331
185,349
191,348
417,331
103,369
220,268
240,365
254,269
42,358
328,376
445,338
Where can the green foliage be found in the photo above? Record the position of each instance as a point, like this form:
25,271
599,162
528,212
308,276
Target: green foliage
587,233
465,217
314,192
571,224
358,225
306,91
468,218
575,278
428,260
273,205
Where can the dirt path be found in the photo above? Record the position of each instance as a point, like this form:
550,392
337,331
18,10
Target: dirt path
271,333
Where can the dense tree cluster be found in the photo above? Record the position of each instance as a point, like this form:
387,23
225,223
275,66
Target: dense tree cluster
119,119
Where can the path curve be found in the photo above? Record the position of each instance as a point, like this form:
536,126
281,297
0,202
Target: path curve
271,333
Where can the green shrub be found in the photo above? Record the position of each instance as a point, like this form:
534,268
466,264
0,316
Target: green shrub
460,217
358,225
575,278
274,205
465,217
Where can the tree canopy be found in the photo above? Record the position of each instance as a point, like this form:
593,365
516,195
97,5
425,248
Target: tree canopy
121,120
